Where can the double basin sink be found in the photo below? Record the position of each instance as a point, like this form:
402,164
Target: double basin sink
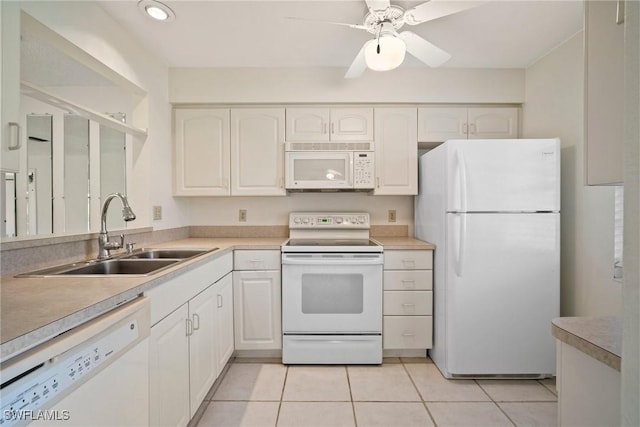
142,262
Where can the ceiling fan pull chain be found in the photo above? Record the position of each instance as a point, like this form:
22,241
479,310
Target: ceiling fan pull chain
378,39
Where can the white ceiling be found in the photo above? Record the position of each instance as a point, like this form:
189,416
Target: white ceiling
239,33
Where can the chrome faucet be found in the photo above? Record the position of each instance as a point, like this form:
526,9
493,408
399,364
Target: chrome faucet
104,245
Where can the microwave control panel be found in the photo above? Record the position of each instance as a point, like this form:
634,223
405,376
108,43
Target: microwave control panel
363,169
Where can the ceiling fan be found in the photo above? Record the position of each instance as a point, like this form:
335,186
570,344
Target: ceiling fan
387,50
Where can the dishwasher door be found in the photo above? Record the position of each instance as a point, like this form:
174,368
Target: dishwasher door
93,375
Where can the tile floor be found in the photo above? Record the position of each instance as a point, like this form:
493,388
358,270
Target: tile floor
401,392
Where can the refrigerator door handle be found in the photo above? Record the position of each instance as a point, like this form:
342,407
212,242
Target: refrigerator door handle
462,180
462,234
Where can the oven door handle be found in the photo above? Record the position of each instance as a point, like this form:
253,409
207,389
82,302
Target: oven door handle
322,259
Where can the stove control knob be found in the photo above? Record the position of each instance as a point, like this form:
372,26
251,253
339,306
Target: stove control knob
297,220
339,220
354,220
361,219
305,220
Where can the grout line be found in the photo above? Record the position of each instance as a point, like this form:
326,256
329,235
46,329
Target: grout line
284,384
353,405
424,403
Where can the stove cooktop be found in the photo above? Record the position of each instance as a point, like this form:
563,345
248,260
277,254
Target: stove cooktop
331,245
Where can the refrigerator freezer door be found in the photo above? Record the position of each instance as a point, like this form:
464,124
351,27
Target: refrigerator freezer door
510,175
502,290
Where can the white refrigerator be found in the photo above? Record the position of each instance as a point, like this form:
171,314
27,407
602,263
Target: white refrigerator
492,209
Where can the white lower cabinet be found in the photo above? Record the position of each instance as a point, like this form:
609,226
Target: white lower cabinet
408,300
257,294
169,371
191,343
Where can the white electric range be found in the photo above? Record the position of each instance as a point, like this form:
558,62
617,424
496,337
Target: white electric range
331,290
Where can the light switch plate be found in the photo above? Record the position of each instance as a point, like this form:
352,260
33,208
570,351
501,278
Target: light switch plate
242,215
392,215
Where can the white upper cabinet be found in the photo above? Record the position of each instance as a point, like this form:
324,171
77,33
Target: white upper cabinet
604,93
329,124
438,124
257,152
202,144
396,149
10,81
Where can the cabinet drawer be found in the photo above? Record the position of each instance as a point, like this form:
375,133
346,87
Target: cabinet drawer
407,303
408,280
407,332
408,260
256,260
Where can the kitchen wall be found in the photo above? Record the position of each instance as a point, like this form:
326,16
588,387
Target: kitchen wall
554,107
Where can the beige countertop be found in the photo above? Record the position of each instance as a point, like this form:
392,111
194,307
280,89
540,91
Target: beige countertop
403,243
37,309
598,337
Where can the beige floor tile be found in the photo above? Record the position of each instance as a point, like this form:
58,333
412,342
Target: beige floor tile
391,360
386,383
550,383
516,390
237,414
385,414
467,414
433,387
310,414
316,383
530,414
252,381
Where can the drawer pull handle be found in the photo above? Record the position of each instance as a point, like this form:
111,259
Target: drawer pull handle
408,334
220,301
409,262
409,283
408,305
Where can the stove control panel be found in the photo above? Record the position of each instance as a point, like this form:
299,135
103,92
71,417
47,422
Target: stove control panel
348,220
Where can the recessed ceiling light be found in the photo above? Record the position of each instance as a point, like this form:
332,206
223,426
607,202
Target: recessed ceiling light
156,10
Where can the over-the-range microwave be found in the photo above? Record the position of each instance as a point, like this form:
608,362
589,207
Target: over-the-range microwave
329,166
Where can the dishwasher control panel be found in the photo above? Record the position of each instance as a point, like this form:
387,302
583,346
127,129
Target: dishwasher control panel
26,396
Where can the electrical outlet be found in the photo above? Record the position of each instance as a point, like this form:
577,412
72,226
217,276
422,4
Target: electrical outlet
242,215
392,215
157,213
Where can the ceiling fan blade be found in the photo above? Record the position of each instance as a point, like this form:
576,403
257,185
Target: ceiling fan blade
425,51
378,5
435,9
358,27
357,66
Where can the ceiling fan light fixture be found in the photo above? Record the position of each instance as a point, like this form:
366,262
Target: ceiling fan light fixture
156,10
389,56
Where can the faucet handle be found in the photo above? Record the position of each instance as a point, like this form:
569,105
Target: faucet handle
122,240
129,247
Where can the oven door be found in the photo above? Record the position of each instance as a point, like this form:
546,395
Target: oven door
332,293
319,170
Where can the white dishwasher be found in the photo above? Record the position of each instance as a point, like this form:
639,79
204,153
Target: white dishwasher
93,375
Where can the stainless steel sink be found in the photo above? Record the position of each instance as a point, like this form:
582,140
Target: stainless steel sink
167,253
122,266
141,263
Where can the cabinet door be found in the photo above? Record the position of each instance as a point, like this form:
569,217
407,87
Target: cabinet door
436,125
486,123
307,124
10,81
396,148
224,322
257,310
169,370
257,152
351,124
202,152
604,94
202,346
